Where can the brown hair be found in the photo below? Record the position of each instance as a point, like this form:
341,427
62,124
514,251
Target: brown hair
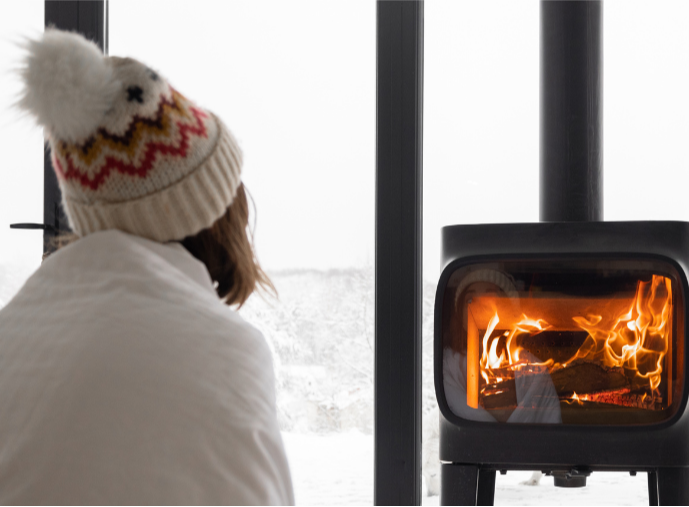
226,248
54,243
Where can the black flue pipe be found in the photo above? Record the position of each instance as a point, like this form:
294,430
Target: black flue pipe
571,115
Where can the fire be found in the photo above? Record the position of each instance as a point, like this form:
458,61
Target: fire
509,356
578,399
636,342
639,339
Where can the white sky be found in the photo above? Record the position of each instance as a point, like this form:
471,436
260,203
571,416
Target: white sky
21,144
295,81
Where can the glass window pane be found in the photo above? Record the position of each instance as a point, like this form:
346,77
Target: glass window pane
21,177
480,116
646,77
295,82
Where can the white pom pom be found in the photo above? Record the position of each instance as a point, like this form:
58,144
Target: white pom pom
68,84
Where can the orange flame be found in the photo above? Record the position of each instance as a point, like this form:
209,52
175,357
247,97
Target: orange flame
638,339
579,400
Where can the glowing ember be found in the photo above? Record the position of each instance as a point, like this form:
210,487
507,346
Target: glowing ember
576,399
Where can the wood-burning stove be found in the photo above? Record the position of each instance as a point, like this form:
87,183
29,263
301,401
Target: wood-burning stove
561,347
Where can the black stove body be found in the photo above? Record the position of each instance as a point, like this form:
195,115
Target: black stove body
526,315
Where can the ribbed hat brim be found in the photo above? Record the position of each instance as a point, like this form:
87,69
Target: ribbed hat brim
183,209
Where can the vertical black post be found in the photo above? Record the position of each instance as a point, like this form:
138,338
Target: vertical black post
673,486
398,253
486,487
571,156
89,19
458,484
652,488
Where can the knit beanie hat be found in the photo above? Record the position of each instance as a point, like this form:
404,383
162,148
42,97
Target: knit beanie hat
130,152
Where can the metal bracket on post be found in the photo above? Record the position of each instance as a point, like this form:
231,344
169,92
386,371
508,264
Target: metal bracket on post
43,227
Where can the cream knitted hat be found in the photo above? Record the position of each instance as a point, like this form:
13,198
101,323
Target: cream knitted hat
130,152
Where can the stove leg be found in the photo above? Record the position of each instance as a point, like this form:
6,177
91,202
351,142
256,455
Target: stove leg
486,487
458,484
652,488
673,486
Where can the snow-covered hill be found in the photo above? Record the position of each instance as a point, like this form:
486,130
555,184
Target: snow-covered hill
321,331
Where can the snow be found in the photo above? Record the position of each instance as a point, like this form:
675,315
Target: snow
602,488
320,330
337,469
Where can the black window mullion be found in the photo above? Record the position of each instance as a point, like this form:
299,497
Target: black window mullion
89,19
398,253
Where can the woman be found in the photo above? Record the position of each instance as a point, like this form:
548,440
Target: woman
123,376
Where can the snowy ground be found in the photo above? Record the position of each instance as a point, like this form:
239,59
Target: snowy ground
338,470
331,470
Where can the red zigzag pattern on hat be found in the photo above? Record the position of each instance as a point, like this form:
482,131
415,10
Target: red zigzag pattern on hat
152,149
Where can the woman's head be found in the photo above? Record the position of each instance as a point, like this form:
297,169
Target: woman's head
130,152
227,251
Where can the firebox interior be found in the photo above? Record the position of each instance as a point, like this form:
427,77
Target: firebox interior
548,341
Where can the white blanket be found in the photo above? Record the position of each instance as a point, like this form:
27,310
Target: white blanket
123,379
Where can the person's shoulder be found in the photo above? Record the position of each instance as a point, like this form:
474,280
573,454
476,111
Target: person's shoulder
229,324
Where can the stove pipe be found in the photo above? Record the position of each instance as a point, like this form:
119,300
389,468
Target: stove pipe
571,109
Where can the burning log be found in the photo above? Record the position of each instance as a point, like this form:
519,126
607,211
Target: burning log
623,398
560,346
598,383
500,395
584,377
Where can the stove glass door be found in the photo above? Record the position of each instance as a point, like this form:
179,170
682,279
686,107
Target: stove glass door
564,341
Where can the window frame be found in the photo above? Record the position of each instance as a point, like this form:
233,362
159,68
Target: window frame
398,300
